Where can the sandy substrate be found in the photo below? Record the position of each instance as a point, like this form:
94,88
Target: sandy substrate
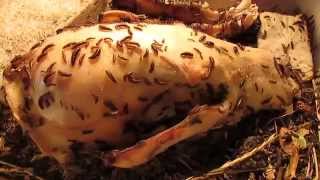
25,22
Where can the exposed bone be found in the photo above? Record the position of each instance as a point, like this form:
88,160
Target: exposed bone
110,87
287,37
195,123
114,16
229,22
186,11
216,23
27,22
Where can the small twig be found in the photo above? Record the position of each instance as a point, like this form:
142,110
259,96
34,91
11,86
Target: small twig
310,165
275,119
249,154
276,126
315,163
17,169
245,156
246,170
237,171
284,115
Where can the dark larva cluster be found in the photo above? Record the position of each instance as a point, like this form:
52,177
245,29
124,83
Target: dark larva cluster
285,48
256,86
113,110
300,24
241,47
160,82
132,78
125,109
132,44
138,28
266,101
156,47
151,69
121,58
44,52
202,38
130,32
64,58
80,45
236,50
242,83
98,43
81,59
95,54
281,99
142,99
95,98
264,35
292,28
46,100
186,55
64,74
292,45
47,48
84,132
28,102
48,79
210,68
122,26
111,77
49,75
224,51
199,52
272,81
79,113
104,28
68,45
119,46
35,46
74,56
155,100
125,39
146,54
209,44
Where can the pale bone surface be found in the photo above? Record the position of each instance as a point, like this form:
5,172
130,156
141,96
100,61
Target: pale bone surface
240,72
23,23
114,96
284,36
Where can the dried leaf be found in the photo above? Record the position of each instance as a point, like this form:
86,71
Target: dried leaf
269,174
285,140
3,147
291,142
292,167
300,141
